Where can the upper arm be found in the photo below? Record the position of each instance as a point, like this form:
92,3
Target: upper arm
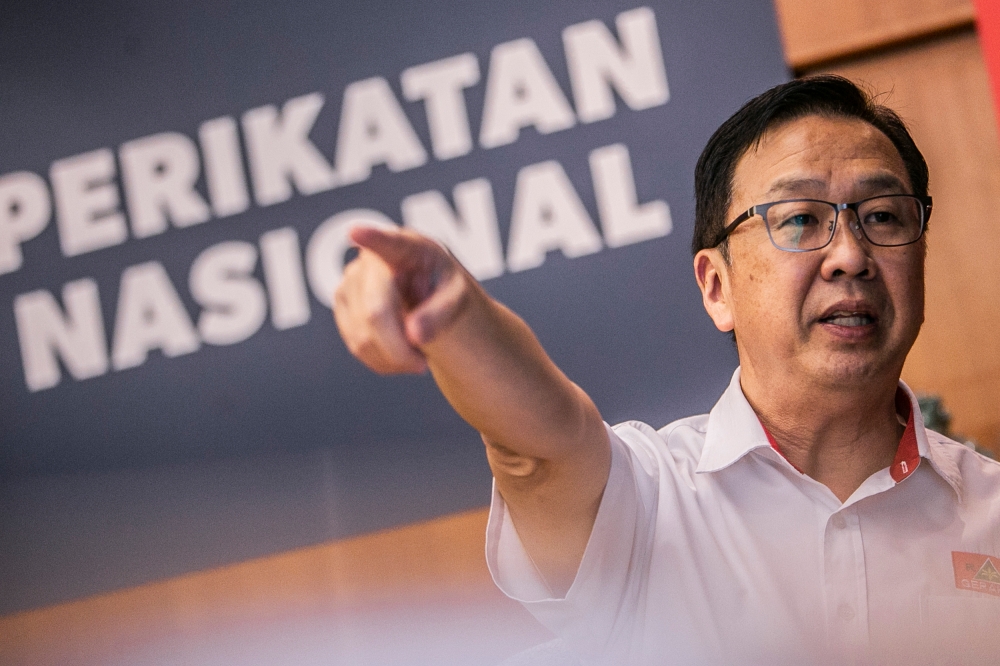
553,501
608,583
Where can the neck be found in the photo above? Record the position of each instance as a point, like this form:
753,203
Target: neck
837,435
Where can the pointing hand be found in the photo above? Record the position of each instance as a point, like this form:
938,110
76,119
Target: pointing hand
397,296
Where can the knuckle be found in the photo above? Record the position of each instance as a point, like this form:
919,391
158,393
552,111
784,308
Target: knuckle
380,317
366,348
340,296
355,346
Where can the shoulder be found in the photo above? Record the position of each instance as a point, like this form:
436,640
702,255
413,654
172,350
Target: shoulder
963,454
978,475
679,443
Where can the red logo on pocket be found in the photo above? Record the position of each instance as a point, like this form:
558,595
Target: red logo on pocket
980,573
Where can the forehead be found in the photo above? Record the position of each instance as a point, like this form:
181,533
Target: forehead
834,158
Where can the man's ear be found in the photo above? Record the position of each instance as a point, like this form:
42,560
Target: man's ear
712,274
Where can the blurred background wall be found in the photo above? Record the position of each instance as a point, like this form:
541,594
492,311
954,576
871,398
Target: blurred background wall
421,593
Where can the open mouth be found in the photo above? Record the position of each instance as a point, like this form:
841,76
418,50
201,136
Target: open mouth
849,319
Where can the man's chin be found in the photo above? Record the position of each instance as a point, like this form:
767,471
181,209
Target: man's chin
855,367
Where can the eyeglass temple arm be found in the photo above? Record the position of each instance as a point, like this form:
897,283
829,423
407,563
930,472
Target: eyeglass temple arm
750,212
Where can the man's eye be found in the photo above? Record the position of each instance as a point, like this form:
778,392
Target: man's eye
800,220
881,218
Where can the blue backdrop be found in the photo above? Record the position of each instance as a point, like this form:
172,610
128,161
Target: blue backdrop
211,453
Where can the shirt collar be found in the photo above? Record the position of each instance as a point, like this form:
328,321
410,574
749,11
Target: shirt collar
734,431
938,455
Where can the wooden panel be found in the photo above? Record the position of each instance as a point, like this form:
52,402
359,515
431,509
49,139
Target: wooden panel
819,31
419,594
941,89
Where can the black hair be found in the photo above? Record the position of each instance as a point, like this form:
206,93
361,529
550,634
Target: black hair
826,95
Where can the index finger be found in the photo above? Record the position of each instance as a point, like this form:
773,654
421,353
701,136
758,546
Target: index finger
397,247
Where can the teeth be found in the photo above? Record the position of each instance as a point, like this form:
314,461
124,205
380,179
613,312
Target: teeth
850,320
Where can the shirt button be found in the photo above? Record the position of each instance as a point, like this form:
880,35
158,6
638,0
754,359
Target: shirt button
839,522
845,612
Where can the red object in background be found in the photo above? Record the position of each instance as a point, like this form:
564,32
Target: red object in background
988,24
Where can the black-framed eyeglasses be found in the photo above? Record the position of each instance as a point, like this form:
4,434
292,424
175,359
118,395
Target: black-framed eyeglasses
802,225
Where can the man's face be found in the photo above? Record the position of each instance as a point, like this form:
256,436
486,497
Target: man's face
839,316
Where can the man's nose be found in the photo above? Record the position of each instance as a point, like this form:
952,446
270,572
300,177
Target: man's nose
849,252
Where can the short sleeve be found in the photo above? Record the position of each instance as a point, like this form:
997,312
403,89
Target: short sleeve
600,606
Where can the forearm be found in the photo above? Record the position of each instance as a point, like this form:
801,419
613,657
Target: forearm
494,372
545,439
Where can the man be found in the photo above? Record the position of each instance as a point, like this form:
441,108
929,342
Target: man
810,517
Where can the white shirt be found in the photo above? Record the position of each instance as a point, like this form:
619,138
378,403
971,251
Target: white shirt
710,547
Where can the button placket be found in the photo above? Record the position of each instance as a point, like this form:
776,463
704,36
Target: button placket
845,583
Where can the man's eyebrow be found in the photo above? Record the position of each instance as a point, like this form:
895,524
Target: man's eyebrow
795,184
874,183
883,181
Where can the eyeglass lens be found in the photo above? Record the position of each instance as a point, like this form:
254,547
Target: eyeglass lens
809,225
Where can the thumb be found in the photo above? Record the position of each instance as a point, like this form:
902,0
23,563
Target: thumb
438,311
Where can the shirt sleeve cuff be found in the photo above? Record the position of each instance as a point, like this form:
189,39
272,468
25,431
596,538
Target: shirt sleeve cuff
592,604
